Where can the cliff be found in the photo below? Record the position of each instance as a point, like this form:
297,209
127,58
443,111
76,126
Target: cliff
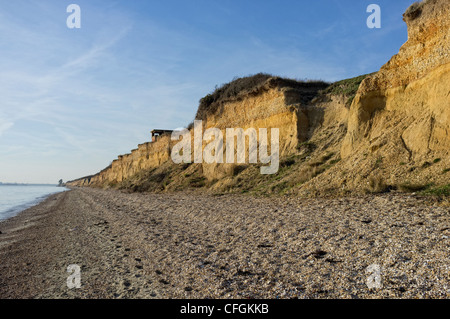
146,156
401,115
412,86
267,102
276,103
389,130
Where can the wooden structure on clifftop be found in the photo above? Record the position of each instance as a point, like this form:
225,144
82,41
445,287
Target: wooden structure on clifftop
158,133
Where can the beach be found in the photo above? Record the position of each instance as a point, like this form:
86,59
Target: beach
193,245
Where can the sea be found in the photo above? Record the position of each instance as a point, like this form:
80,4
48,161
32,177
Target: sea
17,198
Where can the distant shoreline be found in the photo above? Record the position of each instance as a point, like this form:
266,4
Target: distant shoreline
19,184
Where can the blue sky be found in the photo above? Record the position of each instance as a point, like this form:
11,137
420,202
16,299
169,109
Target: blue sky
72,100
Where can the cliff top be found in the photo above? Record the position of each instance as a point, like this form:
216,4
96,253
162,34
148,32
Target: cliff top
426,49
251,85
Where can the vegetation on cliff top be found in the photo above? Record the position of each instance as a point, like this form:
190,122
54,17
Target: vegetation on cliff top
255,84
249,85
347,87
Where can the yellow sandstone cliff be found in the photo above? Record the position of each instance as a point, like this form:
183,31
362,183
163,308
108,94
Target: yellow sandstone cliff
274,105
411,93
401,115
395,134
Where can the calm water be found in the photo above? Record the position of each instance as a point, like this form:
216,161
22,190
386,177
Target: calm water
14,199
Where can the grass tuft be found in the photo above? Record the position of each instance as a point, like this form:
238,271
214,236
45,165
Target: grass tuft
347,87
377,184
438,191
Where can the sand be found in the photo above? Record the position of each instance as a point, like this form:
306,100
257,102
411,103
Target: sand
191,245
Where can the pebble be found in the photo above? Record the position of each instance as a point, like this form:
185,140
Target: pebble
227,246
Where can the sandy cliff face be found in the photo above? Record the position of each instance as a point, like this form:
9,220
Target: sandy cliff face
272,107
395,133
146,156
399,121
407,102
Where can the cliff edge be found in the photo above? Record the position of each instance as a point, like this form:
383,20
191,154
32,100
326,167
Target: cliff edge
401,114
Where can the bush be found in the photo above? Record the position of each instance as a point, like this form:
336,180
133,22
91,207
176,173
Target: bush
335,161
378,162
438,191
426,164
190,126
158,178
326,157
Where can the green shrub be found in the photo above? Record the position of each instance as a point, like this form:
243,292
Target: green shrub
378,162
438,191
335,161
347,87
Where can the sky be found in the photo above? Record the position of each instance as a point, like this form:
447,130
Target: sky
73,99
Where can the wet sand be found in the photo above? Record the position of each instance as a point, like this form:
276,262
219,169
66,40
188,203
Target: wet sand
186,245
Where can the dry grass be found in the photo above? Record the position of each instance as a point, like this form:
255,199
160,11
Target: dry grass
377,184
408,187
249,85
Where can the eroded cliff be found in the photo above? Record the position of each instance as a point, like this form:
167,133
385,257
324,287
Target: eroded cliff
272,103
395,135
400,117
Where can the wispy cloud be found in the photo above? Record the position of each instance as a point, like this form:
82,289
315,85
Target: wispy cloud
92,56
4,126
